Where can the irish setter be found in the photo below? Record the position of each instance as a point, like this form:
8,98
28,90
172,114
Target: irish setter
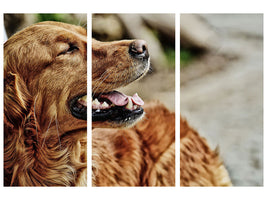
45,107
45,116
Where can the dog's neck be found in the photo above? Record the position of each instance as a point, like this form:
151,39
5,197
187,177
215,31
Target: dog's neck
42,149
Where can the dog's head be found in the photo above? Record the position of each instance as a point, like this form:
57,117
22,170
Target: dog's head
45,70
116,64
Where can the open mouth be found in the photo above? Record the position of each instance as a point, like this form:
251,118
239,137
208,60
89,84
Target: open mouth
116,107
78,107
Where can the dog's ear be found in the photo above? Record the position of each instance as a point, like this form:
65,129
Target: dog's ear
17,100
20,129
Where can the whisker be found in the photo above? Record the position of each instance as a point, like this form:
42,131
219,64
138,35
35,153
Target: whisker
58,133
113,83
47,132
100,78
35,118
126,76
98,85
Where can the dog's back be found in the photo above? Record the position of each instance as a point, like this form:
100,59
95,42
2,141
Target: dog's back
199,165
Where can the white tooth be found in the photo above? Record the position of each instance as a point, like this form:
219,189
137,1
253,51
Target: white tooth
96,102
84,98
130,104
104,104
98,110
135,107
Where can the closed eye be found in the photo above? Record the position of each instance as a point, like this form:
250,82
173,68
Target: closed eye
70,50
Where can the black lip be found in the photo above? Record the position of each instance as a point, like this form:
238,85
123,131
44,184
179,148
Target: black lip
117,114
79,113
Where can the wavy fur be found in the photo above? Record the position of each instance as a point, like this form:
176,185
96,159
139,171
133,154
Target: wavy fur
199,165
43,144
140,156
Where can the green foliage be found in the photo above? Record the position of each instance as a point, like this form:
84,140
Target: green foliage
67,18
170,55
186,56
168,48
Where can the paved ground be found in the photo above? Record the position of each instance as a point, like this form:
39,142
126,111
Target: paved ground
226,105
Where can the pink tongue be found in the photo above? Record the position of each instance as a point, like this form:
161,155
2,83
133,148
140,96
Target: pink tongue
120,99
137,100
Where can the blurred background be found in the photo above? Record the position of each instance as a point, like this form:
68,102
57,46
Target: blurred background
15,22
221,58
159,32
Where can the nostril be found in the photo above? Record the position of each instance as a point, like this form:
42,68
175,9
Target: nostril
138,48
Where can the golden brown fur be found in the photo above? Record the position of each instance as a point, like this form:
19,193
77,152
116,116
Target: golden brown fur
199,165
44,145
143,155
112,59
140,156
113,67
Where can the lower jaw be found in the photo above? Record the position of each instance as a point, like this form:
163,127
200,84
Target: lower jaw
77,110
118,115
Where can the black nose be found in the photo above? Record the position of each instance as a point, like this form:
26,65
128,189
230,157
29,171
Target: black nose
138,49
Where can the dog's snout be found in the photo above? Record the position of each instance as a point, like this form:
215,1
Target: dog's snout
138,49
